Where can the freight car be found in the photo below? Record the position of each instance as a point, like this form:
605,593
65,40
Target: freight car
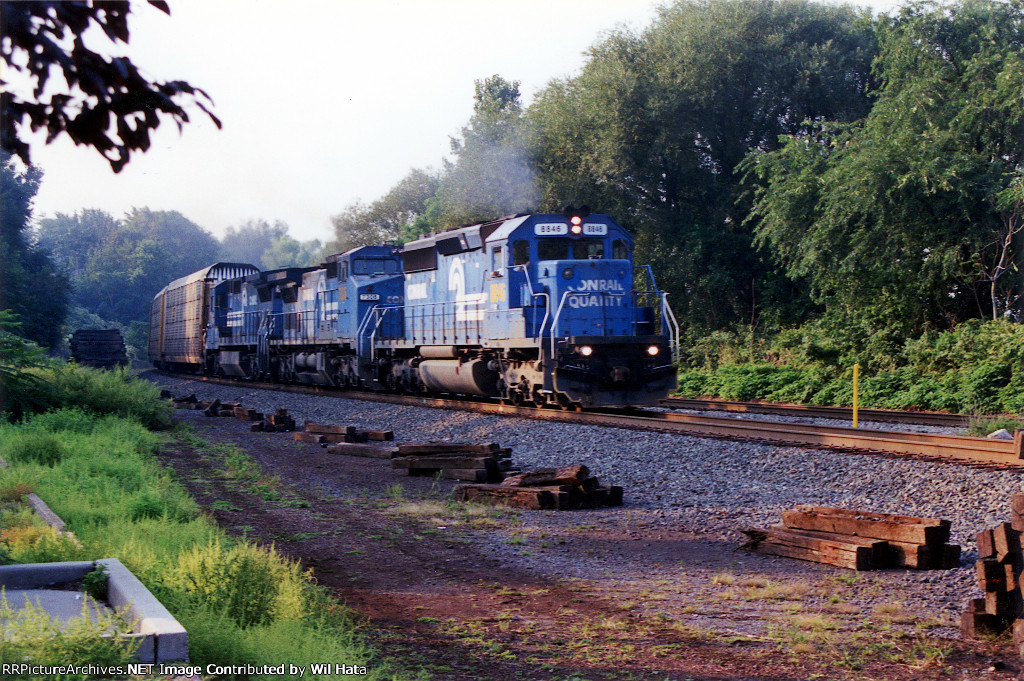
533,309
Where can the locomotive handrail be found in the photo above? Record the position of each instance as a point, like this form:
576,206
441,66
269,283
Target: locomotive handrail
376,327
672,328
301,330
547,303
361,330
471,324
561,306
379,313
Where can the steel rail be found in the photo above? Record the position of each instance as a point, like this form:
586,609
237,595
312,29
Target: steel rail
926,418
954,448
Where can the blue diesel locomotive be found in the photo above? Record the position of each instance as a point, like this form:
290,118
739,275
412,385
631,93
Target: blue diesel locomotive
533,309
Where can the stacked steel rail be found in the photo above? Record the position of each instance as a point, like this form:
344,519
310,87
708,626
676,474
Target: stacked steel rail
924,418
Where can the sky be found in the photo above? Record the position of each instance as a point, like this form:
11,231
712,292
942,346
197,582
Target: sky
323,102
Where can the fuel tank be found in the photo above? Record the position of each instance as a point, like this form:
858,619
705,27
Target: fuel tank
451,376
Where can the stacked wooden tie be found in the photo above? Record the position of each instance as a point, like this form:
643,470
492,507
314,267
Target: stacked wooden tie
548,488
186,402
858,540
472,461
100,348
321,433
999,567
280,421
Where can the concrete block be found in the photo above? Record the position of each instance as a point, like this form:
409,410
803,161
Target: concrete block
32,575
151,617
163,637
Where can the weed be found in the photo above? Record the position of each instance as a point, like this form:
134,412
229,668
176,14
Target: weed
252,585
95,582
14,492
396,492
981,426
724,579
895,613
31,636
847,580
38,544
35,446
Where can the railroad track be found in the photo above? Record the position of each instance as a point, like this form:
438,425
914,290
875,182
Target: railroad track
926,418
952,448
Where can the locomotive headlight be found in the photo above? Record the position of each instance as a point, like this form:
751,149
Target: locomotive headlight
586,350
577,224
567,273
653,350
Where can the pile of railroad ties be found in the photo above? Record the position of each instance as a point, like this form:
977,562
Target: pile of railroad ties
99,348
280,421
999,568
487,465
858,540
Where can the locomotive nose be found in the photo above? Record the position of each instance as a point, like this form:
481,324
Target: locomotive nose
619,374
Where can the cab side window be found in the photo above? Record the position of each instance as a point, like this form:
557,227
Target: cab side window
620,251
498,259
521,253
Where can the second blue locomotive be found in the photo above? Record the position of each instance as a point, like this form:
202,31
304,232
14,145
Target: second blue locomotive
534,309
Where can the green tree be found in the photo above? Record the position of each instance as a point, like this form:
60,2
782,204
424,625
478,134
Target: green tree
31,285
21,389
653,128
911,217
492,174
289,252
388,219
107,104
248,242
119,265
71,239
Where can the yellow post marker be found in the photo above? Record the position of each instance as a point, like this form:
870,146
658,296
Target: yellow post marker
856,379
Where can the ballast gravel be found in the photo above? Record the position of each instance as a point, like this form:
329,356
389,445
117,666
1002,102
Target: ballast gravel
690,484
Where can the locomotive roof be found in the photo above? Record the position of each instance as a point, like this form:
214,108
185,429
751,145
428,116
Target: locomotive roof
475,236
374,251
220,270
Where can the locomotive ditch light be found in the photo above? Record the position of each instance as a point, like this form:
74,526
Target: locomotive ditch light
585,350
653,350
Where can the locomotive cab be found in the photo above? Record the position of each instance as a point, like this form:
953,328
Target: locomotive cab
599,341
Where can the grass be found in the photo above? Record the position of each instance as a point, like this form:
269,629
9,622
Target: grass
980,426
31,636
241,603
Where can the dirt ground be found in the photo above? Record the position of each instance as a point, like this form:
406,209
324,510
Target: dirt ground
470,592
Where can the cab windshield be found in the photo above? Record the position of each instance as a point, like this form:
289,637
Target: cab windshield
569,249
